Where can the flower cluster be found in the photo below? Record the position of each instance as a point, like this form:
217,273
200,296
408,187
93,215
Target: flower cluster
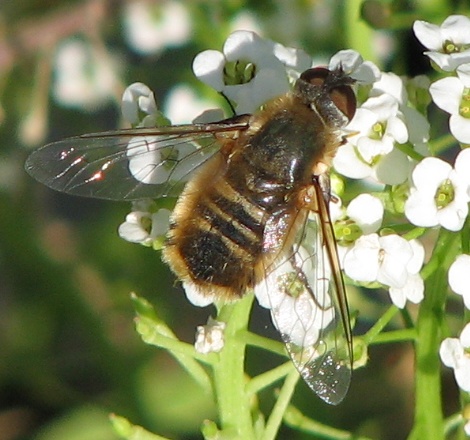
449,49
210,337
250,70
440,193
385,143
390,260
145,224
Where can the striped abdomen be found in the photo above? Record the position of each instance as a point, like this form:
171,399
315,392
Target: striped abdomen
216,236
235,216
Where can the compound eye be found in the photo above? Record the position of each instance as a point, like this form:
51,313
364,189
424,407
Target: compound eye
315,76
337,85
345,100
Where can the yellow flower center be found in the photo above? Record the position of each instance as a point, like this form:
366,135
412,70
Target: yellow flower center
445,194
238,72
378,131
464,107
450,47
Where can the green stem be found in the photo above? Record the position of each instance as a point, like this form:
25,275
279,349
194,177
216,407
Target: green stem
408,334
376,329
282,402
429,421
155,331
265,380
294,418
408,149
271,345
229,372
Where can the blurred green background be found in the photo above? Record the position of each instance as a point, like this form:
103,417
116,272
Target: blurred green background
69,354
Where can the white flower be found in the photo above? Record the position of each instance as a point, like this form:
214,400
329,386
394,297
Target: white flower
382,259
248,72
459,278
150,28
210,337
391,84
162,159
138,105
363,216
449,43
413,290
390,260
378,124
452,95
182,106
195,297
156,159
454,354
295,313
82,77
145,226
367,212
296,61
440,194
365,72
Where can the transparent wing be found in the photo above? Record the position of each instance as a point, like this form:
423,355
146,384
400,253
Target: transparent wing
129,164
305,291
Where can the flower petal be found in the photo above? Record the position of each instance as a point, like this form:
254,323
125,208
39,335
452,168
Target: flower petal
208,67
367,211
458,276
428,34
460,128
451,352
446,93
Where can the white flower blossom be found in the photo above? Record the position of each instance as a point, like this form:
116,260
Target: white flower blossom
455,354
210,337
156,159
440,193
449,43
294,312
391,84
367,212
362,216
249,71
195,297
151,27
159,160
82,77
371,153
296,61
413,290
364,72
183,106
453,96
459,278
144,225
390,260
138,105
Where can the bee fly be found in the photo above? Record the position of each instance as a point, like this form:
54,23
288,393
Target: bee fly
253,216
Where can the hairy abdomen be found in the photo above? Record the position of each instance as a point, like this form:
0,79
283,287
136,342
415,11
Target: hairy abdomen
237,214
